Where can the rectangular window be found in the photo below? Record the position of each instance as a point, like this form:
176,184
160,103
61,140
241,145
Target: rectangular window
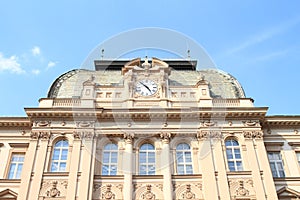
276,164
16,165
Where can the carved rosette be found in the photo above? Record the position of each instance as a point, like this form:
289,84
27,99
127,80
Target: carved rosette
165,137
128,137
85,124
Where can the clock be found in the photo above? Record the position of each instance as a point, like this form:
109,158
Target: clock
146,87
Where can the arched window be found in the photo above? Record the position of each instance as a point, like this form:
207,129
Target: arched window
110,159
147,160
233,153
184,159
60,156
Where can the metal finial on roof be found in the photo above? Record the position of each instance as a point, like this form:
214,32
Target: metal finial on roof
188,54
102,54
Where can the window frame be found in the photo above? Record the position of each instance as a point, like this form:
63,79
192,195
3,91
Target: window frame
66,161
20,152
276,162
184,163
110,164
233,148
147,163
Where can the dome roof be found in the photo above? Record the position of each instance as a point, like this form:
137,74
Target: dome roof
222,84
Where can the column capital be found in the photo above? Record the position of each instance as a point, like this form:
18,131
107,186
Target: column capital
165,137
128,137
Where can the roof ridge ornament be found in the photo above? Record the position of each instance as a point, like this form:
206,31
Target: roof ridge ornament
146,64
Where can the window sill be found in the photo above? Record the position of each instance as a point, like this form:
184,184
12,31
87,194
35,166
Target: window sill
10,180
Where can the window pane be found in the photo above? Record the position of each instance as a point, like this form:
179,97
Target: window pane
54,167
231,166
64,154
237,153
12,171
105,170
179,156
229,154
62,167
106,157
188,157
56,153
142,157
114,157
180,169
189,169
239,166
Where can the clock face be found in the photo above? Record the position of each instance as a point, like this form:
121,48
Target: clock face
146,87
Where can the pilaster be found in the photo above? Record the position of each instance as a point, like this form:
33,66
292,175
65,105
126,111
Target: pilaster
166,166
127,166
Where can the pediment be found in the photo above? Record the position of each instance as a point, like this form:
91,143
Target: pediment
287,192
8,194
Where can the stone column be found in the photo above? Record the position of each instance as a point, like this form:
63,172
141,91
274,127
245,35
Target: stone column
39,165
127,166
74,166
28,166
166,166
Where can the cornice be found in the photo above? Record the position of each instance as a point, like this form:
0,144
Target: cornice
15,122
282,120
148,113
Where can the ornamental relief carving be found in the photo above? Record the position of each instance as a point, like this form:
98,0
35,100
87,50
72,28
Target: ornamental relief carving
44,135
128,137
253,134
85,124
208,134
148,191
165,137
241,187
42,123
54,188
107,191
188,191
251,123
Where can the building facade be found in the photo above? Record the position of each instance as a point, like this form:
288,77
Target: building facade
148,130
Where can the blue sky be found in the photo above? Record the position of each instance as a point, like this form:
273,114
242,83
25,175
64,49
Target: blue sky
255,41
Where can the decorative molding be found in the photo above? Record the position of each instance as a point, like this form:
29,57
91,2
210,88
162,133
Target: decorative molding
165,137
148,195
53,192
188,194
17,145
85,124
253,134
250,123
108,194
76,135
208,134
209,123
42,123
128,137
34,135
241,187
45,135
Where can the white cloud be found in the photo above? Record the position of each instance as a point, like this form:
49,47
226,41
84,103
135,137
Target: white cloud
51,64
35,71
265,35
10,64
36,51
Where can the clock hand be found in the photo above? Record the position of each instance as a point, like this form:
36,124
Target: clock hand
145,86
